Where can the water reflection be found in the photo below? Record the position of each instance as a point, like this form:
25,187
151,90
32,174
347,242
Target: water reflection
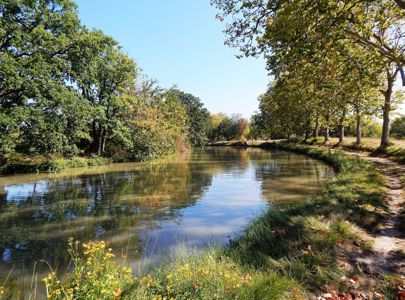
147,208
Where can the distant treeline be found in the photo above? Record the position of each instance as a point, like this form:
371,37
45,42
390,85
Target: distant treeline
224,127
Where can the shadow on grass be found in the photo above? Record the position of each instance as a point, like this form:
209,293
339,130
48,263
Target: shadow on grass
392,152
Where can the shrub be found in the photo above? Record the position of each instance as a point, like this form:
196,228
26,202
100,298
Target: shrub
398,127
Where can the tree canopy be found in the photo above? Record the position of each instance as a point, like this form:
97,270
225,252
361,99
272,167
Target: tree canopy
68,90
337,60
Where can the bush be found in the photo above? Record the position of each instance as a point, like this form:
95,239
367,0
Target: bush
98,161
398,127
31,164
57,165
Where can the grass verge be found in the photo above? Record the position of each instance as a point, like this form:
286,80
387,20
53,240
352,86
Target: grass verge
395,152
291,252
33,164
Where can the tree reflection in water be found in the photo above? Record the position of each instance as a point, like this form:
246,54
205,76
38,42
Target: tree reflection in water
198,197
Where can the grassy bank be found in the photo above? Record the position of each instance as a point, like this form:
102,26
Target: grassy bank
17,163
395,152
290,252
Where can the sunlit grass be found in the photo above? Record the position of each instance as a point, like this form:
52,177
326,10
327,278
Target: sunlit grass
396,151
18,163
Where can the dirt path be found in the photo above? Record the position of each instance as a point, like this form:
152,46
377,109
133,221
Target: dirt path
389,243
388,252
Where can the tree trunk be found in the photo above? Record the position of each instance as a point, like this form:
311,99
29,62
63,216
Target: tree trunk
306,135
341,134
95,136
100,142
358,129
326,134
316,129
104,139
342,127
387,108
385,136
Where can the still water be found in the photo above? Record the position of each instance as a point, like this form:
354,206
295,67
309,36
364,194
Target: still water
146,209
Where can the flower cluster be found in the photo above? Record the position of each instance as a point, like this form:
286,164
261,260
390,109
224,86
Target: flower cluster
160,297
147,280
187,279
54,287
2,290
95,275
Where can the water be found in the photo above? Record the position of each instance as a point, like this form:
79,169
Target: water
146,209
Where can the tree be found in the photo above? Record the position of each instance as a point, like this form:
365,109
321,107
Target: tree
198,117
258,125
224,127
398,127
106,83
36,39
68,90
159,126
215,121
243,129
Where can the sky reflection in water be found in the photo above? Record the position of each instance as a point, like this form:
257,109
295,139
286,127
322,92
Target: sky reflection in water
196,198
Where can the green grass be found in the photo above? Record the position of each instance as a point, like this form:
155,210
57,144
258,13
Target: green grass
290,252
33,164
396,151
212,275
229,143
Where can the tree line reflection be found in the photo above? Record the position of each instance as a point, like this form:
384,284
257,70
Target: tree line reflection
119,204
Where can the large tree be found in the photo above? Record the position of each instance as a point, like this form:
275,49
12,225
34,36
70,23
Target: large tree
38,109
106,82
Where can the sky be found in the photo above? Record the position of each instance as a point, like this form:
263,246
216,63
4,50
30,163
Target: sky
179,42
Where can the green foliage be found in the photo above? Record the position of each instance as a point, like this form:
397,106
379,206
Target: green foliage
67,91
258,126
159,127
57,165
369,128
106,83
338,59
37,39
198,117
223,127
398,127
18,163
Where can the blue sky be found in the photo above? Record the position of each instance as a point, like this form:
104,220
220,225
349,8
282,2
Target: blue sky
180,42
